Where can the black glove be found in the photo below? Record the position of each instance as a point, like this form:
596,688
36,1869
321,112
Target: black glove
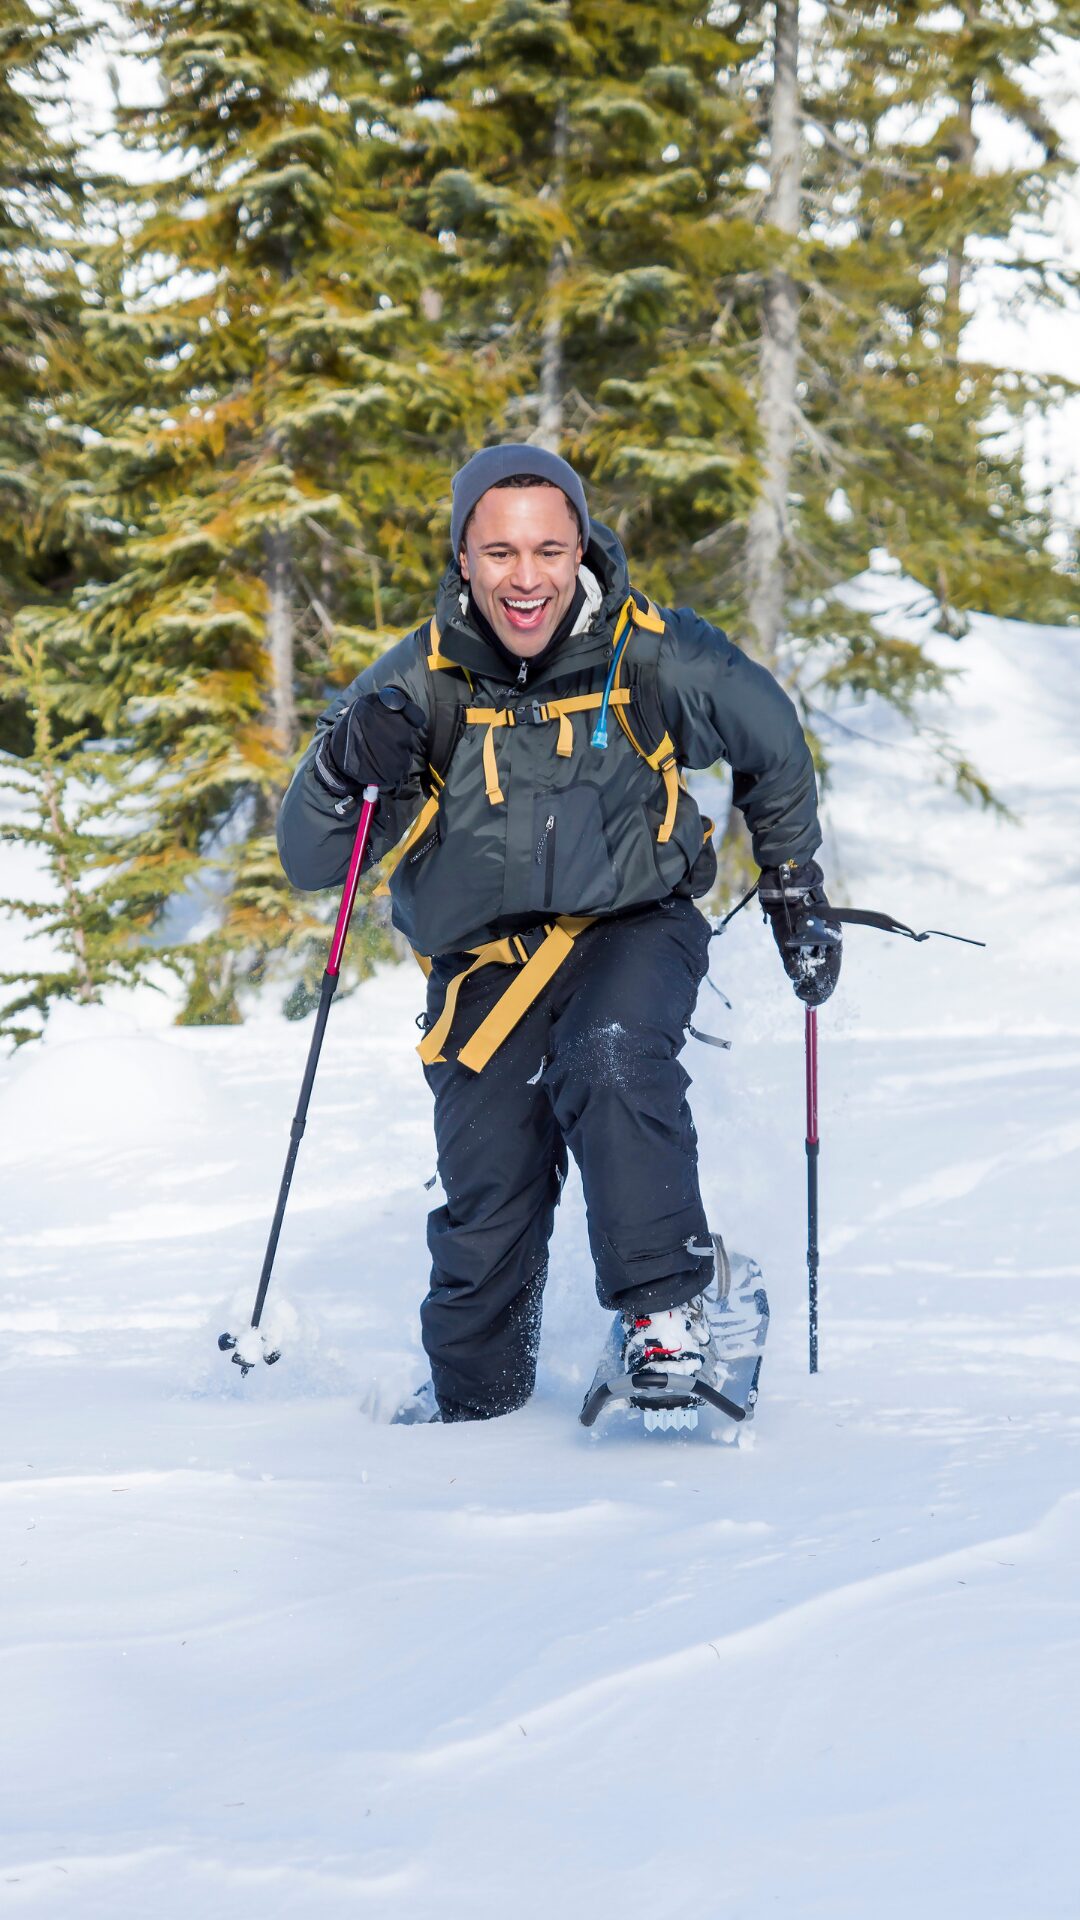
804,928
372,743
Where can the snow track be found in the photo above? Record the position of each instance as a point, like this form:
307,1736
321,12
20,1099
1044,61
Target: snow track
266,1657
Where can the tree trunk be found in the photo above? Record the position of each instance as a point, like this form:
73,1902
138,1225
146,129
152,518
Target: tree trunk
281,641
29,664
767,532
86,989
549,424
954,265
952,619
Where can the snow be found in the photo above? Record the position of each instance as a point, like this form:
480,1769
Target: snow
266,1656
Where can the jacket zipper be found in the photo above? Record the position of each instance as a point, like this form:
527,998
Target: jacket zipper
425,847
547,842
548,837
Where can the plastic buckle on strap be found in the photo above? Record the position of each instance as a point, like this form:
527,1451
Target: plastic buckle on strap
529,714
532,940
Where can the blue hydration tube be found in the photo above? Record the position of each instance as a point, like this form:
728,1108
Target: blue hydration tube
599,732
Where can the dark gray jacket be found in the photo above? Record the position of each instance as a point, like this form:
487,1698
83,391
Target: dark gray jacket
574,835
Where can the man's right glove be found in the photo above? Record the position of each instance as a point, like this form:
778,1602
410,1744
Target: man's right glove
372,743
804,928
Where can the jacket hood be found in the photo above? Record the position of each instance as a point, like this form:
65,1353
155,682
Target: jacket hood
460,641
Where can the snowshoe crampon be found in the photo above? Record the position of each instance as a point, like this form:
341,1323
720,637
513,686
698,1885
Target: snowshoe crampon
248,1348
737,1310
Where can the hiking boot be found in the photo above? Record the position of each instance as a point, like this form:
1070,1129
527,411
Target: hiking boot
672,1341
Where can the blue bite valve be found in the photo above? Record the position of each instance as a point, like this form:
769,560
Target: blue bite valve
599,735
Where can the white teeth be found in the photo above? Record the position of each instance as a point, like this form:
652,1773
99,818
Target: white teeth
524,606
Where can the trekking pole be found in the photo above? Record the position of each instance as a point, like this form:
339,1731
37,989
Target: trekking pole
228,1341
811,1179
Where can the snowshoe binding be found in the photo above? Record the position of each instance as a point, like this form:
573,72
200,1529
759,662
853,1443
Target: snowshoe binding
705,1354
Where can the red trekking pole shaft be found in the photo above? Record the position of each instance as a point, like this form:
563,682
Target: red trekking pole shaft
812,1179
329,988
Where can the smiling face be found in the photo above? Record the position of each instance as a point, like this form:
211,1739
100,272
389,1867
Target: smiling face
521,557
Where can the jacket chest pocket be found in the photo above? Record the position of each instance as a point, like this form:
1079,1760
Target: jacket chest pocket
570,867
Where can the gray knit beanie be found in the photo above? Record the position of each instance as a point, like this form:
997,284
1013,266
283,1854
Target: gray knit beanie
493,464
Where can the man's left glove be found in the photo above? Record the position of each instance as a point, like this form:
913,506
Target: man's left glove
372,743
804,928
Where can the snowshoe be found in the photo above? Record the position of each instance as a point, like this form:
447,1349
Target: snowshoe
707,1354
420,1410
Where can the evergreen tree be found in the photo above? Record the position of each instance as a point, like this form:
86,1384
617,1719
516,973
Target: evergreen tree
896,439
271,409
921,437
41,198
61,801
584,169
588,174
379,236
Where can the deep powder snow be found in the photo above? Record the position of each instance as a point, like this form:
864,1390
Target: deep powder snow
268,1657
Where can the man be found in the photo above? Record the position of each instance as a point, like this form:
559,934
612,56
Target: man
549,878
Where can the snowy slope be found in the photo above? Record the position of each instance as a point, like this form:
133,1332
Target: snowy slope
267,1657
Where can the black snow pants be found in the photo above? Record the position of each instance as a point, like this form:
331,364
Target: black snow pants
592,1066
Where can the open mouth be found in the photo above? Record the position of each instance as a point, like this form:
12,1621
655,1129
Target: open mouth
525,615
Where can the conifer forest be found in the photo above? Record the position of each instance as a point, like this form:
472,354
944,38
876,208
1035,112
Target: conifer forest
722,257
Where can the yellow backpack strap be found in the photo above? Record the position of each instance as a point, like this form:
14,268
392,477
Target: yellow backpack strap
442,743
661,757
646,617
664,762
490,717
561,710
522,991
536,970
431,1046
419,827
435,659
502,952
